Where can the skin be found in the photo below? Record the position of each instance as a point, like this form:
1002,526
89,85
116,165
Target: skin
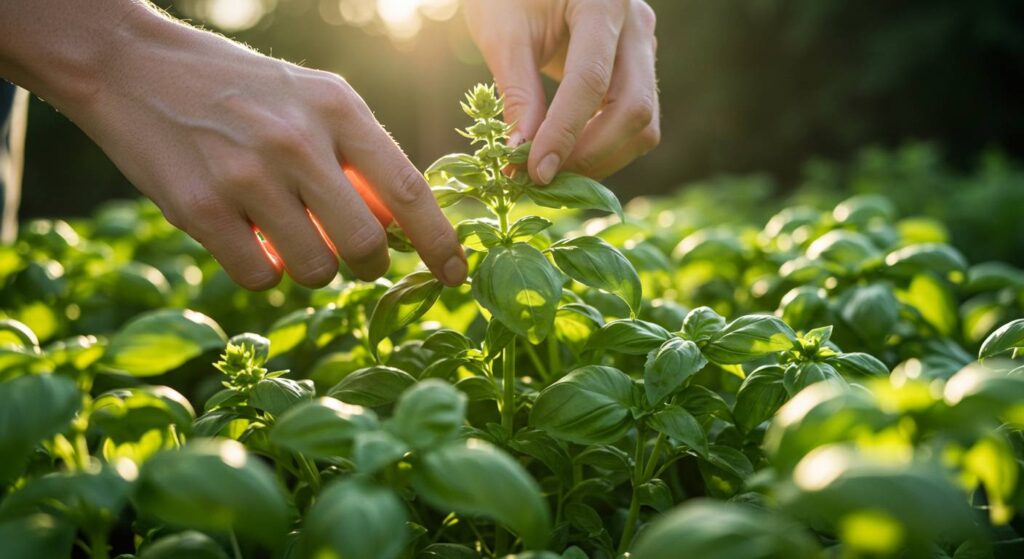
604,113
228,142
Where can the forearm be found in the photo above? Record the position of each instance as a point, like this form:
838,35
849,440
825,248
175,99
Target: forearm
61,50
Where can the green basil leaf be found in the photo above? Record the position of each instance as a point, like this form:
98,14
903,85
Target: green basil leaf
126,414
759,397
655,494
479,388
871,312
575,325
191,544
858,365
473,477
925,257
214,485
801,375
720,530
159,341
587,406
429,413
372,386
669,367
678,424
1008,337
288,332
595,263
525,228
354,518
630,336
848,249
748,338
405,302
520,288
459,166
375,450
32,408
804,307
568,190
448,343
479,234
35,536
701,324
278,395
322,428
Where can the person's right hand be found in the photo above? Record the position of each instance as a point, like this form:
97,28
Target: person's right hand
226,140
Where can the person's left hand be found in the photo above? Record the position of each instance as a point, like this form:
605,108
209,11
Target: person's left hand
605,111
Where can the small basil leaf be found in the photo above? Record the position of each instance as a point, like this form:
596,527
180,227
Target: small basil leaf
701,324
630,336
354,518
759,397
405,302
322,428
678,424
669,367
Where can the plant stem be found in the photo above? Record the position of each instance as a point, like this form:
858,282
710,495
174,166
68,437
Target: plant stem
554,360
508,382
311,472
652,462
98,545
634,502
237,551
535,359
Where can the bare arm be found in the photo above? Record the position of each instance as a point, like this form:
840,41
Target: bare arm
226,140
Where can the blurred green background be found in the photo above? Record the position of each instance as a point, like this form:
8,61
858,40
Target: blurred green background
774,87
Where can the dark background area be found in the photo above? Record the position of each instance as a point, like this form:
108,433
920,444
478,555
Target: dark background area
746,86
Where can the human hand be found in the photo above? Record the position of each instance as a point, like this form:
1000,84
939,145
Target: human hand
605,111
227,141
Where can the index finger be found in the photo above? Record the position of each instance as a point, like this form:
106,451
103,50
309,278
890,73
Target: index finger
594,36
371,152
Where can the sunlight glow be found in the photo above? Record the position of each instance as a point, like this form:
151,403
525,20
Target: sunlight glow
234,15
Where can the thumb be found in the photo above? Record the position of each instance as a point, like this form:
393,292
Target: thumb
518,80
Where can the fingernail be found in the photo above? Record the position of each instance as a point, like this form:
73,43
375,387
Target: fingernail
515,139
548,167
454,271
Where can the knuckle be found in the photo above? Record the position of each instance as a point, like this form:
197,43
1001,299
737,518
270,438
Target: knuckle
208,214
238,172
594,77
409,187
516,98
288,137
315,270
640,113
335,95
257,279
649,138
364,243
440,242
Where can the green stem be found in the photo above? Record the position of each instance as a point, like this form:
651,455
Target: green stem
98,545
535,359
237,551
652,462
554,359
312,474
508,382
634,501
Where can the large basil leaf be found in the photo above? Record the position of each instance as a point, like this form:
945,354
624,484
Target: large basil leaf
1008,337
214,485
32,408
473,477
354,518
630,336
430,412
159,341
372,386
761,395
587,406
322,428
568,190
748,338
278,395
521,288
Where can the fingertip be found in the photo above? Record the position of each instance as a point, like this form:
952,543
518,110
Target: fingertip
455,270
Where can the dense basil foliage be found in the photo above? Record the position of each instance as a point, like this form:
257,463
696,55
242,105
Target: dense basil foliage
837,383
